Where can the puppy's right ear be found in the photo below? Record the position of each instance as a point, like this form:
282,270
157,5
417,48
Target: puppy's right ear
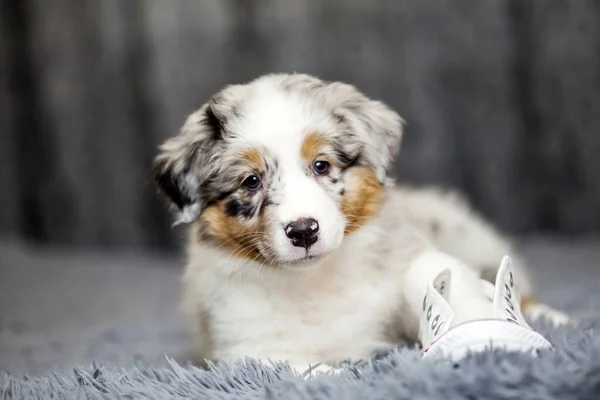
180,187
179,169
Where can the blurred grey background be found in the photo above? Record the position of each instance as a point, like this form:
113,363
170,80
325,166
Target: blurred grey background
501,100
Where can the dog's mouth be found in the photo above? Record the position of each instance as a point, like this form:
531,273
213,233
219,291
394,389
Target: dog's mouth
263,253
306,260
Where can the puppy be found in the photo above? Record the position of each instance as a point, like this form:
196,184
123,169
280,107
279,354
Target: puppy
300,247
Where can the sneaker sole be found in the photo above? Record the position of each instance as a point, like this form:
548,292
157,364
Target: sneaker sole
483,335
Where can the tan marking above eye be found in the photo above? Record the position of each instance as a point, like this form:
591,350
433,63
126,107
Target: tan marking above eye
313,145
254,159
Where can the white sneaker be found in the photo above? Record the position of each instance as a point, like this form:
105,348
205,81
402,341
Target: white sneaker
507,329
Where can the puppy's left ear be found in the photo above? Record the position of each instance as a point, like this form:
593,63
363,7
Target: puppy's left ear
378,126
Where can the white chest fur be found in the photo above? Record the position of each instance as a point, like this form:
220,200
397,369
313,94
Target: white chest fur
330,312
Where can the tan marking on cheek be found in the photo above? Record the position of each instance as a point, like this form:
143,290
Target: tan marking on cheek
312,145
254,159
362,198
241,238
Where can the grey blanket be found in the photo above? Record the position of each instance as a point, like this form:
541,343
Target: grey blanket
571,372
40,359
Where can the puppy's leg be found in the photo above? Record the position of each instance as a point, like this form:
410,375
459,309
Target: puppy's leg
488,247
467,298
456,229
202,339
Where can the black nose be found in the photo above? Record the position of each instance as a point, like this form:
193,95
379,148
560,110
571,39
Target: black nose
303,232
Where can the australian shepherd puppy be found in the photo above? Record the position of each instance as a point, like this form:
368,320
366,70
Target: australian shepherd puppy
301,249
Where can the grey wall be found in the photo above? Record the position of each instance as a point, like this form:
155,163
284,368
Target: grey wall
501,98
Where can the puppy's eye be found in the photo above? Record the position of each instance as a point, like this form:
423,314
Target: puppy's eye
252,183
321,167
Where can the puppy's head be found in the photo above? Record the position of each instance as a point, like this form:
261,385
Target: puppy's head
279,170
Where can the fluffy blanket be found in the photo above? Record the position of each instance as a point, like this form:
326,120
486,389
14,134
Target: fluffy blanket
570,372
